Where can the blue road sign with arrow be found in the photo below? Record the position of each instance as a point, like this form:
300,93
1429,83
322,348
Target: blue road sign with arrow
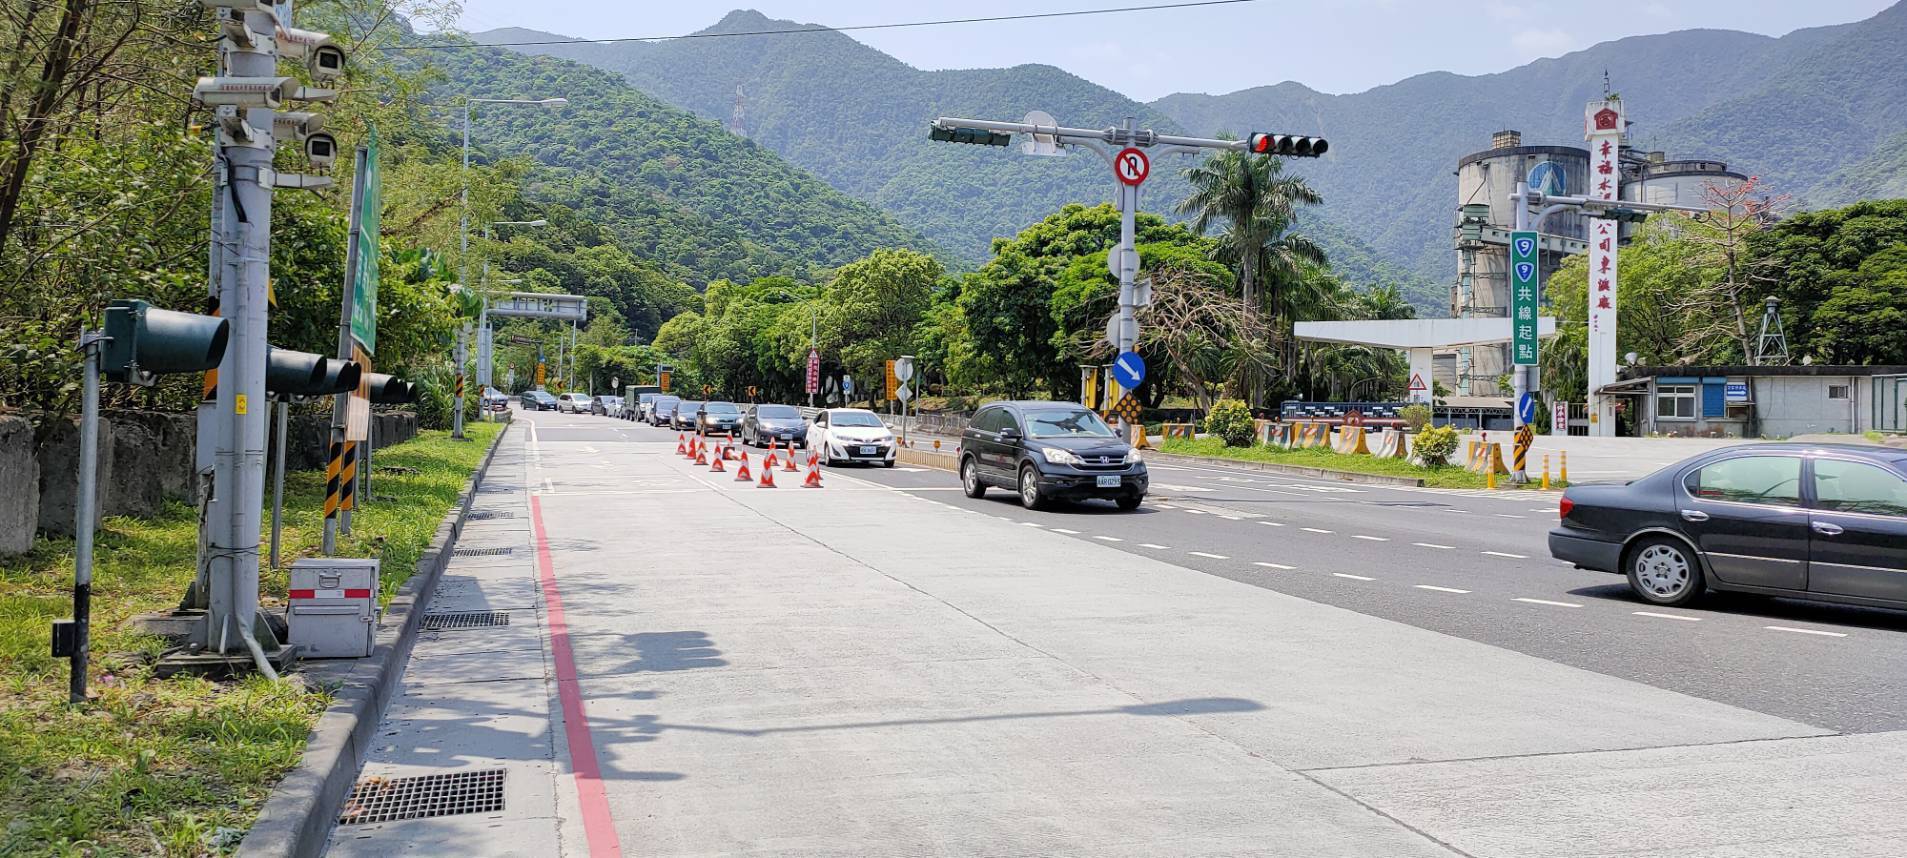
1129,370
1526,408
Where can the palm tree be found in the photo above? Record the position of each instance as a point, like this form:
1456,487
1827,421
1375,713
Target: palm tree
1257,204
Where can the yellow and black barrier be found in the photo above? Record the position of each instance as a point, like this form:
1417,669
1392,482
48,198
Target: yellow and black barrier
1187,431
1274,434
1392,444
1485,457
1350,441
1308,433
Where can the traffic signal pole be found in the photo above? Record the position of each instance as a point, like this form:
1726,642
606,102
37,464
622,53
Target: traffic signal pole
1100,141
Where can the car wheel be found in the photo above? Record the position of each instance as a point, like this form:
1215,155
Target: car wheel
1664,572
1130,502
1030,488
970,479
888,464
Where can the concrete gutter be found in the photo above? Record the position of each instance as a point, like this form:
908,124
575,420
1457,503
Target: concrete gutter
944,460
304,807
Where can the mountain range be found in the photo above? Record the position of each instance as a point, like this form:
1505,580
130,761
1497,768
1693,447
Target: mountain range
1820,114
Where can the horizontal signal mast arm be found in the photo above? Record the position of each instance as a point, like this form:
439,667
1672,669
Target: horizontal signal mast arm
1113,136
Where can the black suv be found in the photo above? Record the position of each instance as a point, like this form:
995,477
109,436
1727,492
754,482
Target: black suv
1049,451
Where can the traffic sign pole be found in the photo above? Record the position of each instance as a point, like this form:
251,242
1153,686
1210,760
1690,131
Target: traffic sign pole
1526,289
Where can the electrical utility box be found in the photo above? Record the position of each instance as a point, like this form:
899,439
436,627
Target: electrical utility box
333,607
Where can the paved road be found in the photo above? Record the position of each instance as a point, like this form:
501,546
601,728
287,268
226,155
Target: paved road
882,667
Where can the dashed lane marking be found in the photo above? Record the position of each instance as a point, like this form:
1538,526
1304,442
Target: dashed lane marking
1440,589
1507,554
1667,616
1549,603
1272,523
1805,631
1065,531
1196,511
1109,538
1273,565
1507,515
1314,529
1208,554
1353,577
1154,545
1430,545
1031,524
1370,538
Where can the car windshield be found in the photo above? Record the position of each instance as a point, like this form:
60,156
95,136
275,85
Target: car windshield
1066,423
646,397
722,408
854,418
777,412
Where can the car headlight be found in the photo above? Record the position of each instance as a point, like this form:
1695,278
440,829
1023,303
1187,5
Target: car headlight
1133,457
1061,457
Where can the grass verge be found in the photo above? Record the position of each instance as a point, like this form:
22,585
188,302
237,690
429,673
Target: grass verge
180,766
1447,477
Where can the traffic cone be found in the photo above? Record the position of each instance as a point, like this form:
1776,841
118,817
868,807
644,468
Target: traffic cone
741,473
814,479
774,444
701,456
681,446
695,447
715,462
767,477
788,464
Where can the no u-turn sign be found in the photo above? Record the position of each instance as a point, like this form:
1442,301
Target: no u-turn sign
1131,166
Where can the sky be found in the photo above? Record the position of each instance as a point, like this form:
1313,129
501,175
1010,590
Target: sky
1335,47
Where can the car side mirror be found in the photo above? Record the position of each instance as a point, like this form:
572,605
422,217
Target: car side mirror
1009,434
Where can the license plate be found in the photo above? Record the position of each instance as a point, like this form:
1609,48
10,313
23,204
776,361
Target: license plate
867,451
1109,482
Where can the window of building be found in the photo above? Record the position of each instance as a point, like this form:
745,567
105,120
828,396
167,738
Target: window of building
1675,401
1837,391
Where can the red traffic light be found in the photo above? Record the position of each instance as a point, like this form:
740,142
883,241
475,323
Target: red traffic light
1288,145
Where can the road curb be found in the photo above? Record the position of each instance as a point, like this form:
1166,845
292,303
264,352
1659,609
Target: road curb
298,817
1293,470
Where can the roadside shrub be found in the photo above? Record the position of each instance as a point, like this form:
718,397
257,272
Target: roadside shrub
1435,444
1230,420
1416,416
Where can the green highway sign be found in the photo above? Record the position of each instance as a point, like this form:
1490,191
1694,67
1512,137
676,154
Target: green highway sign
364,279
1523,297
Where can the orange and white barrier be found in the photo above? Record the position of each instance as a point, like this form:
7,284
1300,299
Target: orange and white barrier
1350,441
1392,444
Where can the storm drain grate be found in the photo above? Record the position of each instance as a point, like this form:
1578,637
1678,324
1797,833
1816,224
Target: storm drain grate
453,620
377,799
482,552
487,514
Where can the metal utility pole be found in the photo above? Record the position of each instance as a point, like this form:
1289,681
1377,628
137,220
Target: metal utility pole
1131,167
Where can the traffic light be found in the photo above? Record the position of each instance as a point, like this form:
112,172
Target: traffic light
979,136
1622,215
1288,145
143,342
389,389
290,373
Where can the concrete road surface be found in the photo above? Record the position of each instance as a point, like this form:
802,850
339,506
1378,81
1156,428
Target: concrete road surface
697,666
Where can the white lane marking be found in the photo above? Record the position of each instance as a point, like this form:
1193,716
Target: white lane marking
1314,529
1167,506
1805,631
1666,616
1352,577
1458,511
1440,589
1370,538
1109,538
1507,554
1153,545
1429,545
1031,524
1550,603
1172,487
1273,565
1065,531
1272,523
1541,509
1507,515
549,488
1208,554
1231,518
1196,511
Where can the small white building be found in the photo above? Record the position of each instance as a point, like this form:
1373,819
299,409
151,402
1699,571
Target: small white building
1763,401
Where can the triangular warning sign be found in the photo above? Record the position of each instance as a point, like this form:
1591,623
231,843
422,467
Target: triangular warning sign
1417,382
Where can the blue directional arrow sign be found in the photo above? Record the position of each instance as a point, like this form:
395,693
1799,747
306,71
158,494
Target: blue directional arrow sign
1524,296
1129,370
1526,408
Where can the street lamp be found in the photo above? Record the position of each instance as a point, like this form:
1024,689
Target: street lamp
463,238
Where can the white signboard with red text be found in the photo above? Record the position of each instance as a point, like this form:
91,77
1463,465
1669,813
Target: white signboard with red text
1602,127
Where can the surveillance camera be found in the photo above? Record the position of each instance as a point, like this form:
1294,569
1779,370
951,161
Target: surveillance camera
325,59
265,7
326,62
321,149
296,125
244,92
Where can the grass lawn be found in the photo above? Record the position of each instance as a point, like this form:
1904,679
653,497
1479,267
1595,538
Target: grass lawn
1448,477
180,766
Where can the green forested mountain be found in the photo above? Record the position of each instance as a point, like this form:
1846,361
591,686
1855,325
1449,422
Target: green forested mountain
858,119
1794,109
676,190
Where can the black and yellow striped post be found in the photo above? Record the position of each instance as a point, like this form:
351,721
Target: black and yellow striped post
1525,437
348,479
334,465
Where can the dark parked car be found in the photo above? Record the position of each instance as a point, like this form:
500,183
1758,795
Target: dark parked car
781,423
537,400
662,411
685,415
607,406
1049,451
1826,522
718,418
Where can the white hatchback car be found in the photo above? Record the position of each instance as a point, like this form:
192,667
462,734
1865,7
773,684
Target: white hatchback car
852,435
573,403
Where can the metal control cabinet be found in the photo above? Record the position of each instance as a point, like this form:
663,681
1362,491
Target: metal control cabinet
333,607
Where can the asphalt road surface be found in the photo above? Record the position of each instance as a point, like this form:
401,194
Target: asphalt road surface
1475,564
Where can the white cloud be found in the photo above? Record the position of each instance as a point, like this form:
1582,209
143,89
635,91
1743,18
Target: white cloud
1552,42
1502,11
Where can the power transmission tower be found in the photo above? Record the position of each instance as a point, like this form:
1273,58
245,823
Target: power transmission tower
1771,348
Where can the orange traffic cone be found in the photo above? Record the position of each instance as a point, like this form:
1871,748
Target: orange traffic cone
715,462
767,478
728,452
788,464
741,473
774,444
681,445
695,447
814,479
701,456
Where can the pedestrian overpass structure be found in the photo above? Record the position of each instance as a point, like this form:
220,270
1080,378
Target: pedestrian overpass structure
1420,338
